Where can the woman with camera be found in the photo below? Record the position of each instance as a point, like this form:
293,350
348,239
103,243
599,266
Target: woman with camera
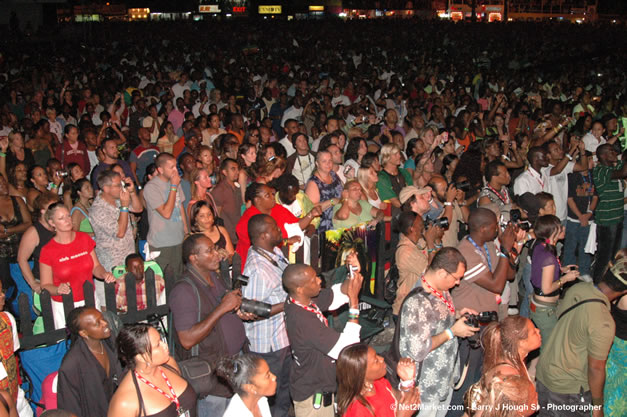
363,389
547,274
154,385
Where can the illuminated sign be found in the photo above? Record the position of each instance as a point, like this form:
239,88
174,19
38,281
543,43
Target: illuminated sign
239,9
494,17
270,9
209,8
316,8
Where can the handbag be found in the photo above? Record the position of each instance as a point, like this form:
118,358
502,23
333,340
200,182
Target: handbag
198,371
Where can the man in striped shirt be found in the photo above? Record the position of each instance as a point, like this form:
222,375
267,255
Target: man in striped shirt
268,337
607,177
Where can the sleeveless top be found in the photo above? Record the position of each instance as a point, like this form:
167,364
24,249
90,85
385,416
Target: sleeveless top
9,244
85,226
187,399
327,192
45,236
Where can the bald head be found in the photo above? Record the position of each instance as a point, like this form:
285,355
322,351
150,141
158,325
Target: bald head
294,276
257,225
479,218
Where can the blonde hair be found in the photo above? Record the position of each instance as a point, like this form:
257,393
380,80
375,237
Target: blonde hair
386,152
362,177
194,176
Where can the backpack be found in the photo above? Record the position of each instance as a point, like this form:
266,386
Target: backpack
391,284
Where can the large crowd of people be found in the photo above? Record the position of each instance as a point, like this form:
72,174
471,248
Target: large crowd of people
492,153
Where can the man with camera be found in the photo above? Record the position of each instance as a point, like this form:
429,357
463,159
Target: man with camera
213,325
268,337
316,346
429,327
415,249
109,216
489,267
449,197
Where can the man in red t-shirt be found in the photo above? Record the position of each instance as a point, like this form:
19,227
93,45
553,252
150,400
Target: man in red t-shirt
263,201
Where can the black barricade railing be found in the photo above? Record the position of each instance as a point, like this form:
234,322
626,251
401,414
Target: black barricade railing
50,335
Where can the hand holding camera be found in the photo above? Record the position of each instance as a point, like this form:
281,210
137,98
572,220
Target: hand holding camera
571,273
231,301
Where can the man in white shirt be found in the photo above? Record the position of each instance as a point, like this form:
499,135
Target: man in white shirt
534,179
295,111
290,127
560,165
339,98
181,86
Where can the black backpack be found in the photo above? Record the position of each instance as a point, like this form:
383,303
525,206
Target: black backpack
391,284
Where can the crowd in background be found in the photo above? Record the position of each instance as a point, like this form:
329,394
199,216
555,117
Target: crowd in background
493,153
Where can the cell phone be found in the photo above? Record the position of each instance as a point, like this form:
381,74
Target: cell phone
351,271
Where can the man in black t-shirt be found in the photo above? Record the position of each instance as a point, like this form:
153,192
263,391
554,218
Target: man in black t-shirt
582,200
315,346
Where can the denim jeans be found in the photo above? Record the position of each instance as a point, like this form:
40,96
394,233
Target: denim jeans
527,291
608,239
212,405
574,244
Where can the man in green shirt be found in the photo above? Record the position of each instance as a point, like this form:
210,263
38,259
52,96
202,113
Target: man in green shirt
571,370
607,177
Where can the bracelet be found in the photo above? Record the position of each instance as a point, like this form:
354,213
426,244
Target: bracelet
560,282
353,316
53,185
597,401
354,311
173,188
567,155
405,386
3,154
502,255
123,209
448,203
449,333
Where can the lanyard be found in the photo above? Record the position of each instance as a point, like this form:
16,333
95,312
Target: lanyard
487,253
435,292
172,398
538,178
504,199
302,172
313,309
265,255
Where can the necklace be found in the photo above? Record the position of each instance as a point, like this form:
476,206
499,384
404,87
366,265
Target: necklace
101,349
438,294
368,386
312,308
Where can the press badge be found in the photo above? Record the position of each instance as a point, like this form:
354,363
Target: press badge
183,413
